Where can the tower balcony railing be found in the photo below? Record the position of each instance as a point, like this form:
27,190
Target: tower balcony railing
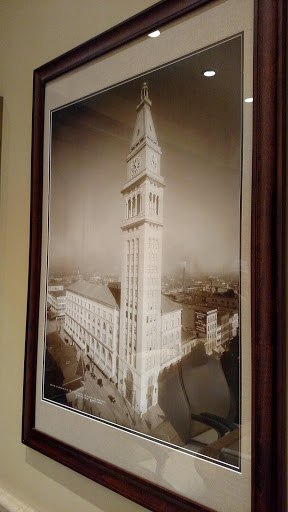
152,218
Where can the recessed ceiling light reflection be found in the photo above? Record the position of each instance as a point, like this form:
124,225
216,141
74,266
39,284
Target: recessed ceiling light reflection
249,100
156,33
209,72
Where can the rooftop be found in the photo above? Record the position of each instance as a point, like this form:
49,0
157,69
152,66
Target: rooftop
97,292
168,306
204,309
57,293
110,295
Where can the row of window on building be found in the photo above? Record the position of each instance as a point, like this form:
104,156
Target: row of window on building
134,204
92,345
171,323
169,353
102,335
132,245
171,337
88,320
74,301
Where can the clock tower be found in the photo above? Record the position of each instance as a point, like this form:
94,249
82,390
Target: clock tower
142,227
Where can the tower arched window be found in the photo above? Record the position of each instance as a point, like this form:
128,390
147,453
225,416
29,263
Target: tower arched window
138,203
154,203
129,208
157,205
134,205
150,202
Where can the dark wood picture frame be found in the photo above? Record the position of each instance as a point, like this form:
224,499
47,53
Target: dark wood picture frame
267,261
1,122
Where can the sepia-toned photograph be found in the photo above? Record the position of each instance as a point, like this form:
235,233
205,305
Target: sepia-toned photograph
143,284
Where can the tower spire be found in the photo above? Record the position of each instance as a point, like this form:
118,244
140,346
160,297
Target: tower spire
144,130
144,95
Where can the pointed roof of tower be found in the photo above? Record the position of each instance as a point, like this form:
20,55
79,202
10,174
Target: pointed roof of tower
144,126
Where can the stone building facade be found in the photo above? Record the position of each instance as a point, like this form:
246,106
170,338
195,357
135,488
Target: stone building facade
133,339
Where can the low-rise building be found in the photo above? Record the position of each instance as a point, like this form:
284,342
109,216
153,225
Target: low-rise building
92,321
233,324
228,299
205,322
56,299
170,332
52,287
188,342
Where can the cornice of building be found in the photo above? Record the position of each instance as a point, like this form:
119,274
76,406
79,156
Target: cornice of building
137,180
139,222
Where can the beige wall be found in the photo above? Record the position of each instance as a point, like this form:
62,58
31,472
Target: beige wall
32,32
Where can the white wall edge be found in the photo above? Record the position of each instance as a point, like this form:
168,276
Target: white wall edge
8,503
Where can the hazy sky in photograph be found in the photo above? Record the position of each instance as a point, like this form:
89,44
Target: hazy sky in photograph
198,125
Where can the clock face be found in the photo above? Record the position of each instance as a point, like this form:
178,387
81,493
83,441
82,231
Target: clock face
153,163
135,165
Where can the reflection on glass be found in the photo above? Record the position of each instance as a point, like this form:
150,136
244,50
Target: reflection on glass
144,244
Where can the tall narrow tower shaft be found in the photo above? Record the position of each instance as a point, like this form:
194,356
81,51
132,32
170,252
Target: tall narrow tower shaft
142,226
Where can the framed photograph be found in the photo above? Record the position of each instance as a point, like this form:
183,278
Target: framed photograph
155,323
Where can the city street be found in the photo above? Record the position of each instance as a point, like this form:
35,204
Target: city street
105,401
101,397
